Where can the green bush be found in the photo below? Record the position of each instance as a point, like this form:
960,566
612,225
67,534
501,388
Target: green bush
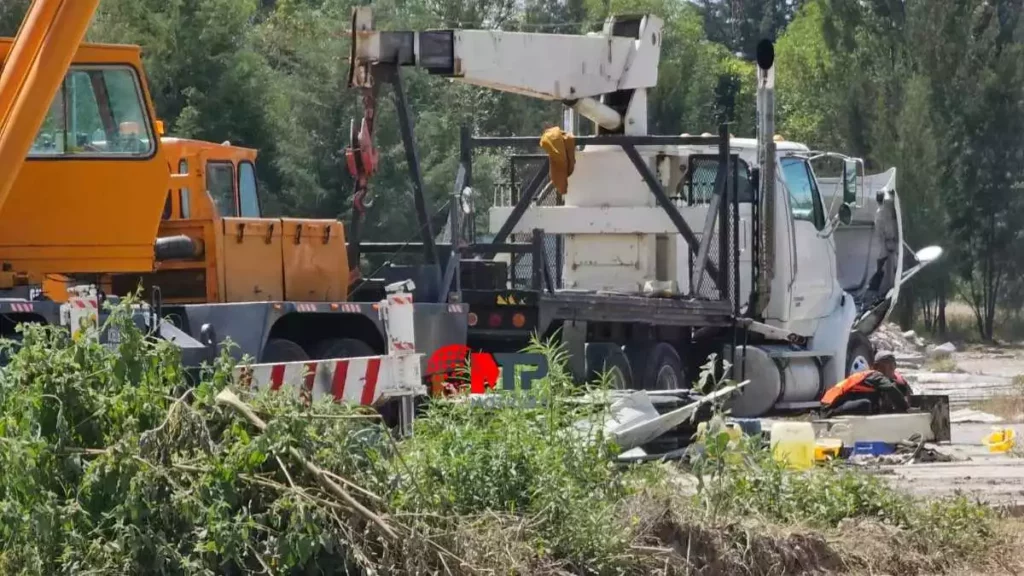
113,463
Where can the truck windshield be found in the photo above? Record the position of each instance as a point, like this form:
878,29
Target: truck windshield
98,111
804,200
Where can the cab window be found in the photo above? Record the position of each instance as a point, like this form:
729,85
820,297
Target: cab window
183,194
220,182
804,199
247,196
98,111
701,176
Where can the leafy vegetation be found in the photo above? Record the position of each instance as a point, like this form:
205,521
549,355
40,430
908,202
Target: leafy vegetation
114,463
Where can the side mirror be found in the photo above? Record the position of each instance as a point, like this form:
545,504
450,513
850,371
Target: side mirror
850,182
845,214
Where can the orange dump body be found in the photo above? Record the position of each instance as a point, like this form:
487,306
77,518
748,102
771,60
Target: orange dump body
245,257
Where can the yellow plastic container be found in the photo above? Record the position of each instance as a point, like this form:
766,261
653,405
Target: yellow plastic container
793,443
826,448
1000,440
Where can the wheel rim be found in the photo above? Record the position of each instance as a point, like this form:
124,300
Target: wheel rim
667,379
859,364
616,378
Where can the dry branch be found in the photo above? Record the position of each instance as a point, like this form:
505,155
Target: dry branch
228,398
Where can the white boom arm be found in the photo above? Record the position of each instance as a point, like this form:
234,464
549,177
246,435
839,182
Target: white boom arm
574,69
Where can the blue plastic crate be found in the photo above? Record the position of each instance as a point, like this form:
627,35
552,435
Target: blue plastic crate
872,448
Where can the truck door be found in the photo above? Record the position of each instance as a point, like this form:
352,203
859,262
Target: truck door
814,287
870,250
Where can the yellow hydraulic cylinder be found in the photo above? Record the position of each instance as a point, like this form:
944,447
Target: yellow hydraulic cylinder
53,30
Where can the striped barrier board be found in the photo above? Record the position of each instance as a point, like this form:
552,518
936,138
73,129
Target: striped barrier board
18,306
365,381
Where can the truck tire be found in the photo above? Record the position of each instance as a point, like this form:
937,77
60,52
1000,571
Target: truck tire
657,367
5,355
859,354
608,358
342,348
283,350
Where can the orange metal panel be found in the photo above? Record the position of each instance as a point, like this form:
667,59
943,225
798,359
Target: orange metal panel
205,231
252,259
84,216
42,76
55,287
315,260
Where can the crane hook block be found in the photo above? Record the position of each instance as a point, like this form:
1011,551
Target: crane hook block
561,149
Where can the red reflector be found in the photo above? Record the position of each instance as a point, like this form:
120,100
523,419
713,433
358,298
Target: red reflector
494,320
471,319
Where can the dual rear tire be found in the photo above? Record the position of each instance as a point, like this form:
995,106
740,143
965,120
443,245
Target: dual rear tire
654,366
284,350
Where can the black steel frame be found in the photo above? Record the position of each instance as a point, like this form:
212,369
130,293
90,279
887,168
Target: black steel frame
541,276
725,188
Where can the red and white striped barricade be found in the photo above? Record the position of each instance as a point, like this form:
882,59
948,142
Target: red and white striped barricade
367,380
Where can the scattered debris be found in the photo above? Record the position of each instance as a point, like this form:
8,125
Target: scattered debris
971,416
941,351
890,337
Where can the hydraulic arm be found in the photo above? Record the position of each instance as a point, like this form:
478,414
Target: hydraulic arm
42,52
603,77
589,73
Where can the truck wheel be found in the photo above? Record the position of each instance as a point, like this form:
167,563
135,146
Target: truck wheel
657,367
282,350
608,358
5,356
859,353
342,348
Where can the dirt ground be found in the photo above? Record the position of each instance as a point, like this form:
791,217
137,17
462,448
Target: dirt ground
983,394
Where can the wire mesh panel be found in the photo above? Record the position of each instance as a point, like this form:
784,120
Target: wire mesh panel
718,280
522,170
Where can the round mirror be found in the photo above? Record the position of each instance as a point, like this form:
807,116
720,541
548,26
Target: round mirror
928,254
845,214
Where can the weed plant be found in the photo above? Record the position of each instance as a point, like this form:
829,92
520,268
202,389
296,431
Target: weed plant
111,462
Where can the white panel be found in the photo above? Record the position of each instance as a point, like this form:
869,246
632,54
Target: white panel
576,220
355,379
604,176
558,66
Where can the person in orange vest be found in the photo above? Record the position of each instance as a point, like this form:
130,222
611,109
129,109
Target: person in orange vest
876,391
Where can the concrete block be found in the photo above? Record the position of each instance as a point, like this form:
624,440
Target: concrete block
889,428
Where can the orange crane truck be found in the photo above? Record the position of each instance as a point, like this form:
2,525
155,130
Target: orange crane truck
86,181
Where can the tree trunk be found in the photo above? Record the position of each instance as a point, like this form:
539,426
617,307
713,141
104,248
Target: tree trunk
940,314
907,307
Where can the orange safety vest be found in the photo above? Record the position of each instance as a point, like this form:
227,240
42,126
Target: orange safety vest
855,383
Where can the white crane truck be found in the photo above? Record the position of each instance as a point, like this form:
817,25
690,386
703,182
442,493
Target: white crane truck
668,248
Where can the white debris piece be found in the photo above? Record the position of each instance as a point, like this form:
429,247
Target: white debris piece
941,351
969,415
890,337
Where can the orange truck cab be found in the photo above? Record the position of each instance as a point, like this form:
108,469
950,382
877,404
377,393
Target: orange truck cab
89,194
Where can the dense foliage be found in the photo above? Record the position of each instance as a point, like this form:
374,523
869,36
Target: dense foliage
114,462
934,88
